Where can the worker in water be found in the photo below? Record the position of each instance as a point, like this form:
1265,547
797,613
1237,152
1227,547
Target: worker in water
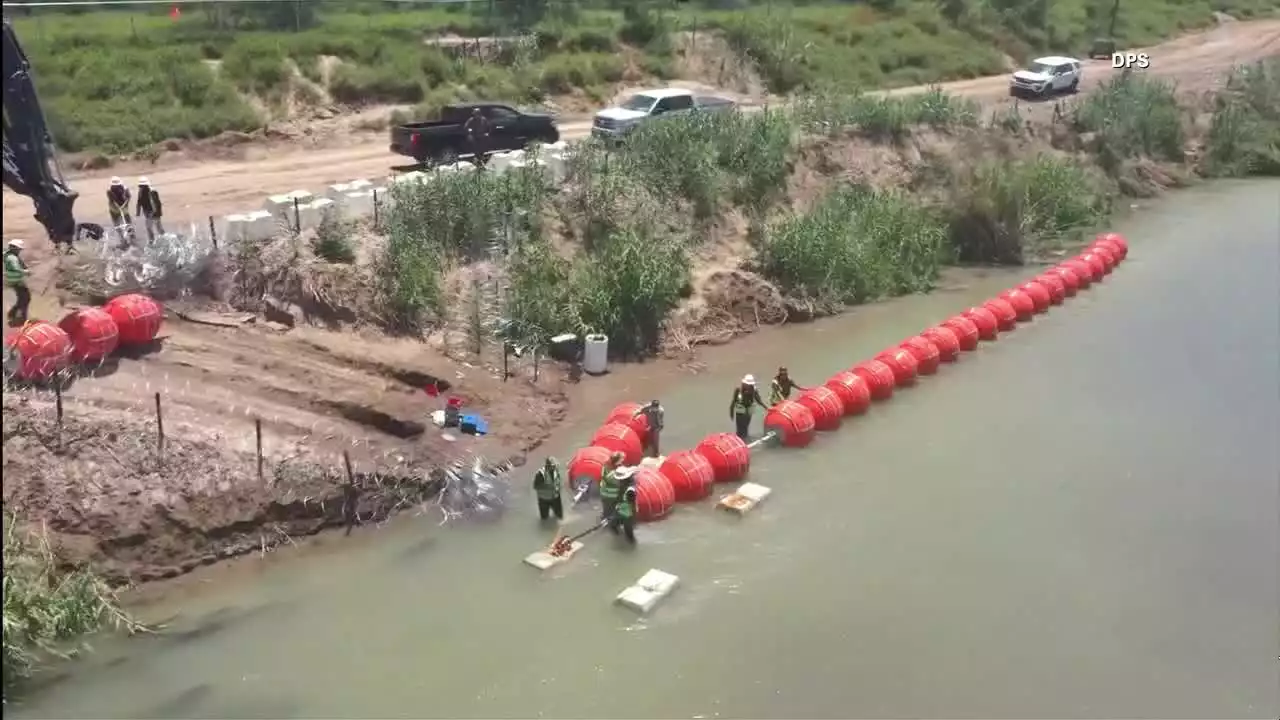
744,402
15,277
624,512
781,387
477,130
609,487
546,483
149,208
653,415
118,197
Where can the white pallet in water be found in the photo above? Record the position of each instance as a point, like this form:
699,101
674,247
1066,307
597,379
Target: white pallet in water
544,560
652,588
748,496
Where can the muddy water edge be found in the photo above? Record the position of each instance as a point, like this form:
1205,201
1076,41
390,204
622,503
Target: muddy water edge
1079,520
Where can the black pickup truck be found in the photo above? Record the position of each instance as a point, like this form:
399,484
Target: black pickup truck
445,140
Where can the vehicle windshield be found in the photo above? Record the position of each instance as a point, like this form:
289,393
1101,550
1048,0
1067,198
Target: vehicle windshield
1040,68
638,103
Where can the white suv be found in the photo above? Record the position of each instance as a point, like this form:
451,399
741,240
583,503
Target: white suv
1047,76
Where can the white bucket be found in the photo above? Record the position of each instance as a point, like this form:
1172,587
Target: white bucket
595,356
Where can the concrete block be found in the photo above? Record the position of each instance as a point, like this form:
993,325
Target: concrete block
557,166
314,212
544,560
234,228
338,190
748,496
282,205
358,203
261,225
498,161
557,146
652,588
413,176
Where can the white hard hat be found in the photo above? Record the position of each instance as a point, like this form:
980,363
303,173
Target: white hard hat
143,181
17,244
115,181
623,473
748,379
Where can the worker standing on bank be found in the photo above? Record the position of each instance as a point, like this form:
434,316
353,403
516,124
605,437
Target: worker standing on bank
610,489
149,208
653,415
118,197
15,277
781,387
744,402
546,483
624,512
477,130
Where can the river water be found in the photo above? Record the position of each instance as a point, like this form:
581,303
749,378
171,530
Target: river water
1079,520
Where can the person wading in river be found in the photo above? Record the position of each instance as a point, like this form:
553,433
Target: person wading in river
624,511
745,399
653,415
546,483
781,387
609,488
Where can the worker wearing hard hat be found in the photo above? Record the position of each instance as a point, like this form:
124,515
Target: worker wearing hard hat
15,278
653,415
609,487
624,511
118,197
149,208
781,387
546,483
744,402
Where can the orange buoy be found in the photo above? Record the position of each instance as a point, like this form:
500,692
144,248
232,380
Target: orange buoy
986,321
1039,294
792,423
878,376
728,454
1056,287
619,437
1096,265
927,355
1115,241
1024,307
1107,254
137,316
1082,271
587,464
690,473
966,331
903,364
43,350
947,340
825,406
655,497
853,390
1006,314
93,334
625,413
1070,278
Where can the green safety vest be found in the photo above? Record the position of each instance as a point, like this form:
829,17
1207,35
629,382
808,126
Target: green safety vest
549,488
626,507
15,273
776,393
609,486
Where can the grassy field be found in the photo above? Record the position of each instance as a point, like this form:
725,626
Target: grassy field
116,81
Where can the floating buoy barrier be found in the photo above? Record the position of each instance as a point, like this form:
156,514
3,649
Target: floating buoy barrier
690,474
1093,261
947,341
792,423
854,392
1056,288
137,317
655,497
927,355
903,364
1082,271
1116,242
1039,294
728,454
986,321
1070,278
1006,315
619,437
587,466
1024,307
93,334
1107,255
625,413
878,376
42,350
966,331
825,405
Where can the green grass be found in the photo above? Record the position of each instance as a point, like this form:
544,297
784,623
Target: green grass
1244,137
1133,116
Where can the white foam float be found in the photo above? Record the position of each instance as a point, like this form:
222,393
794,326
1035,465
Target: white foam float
652,588
748,496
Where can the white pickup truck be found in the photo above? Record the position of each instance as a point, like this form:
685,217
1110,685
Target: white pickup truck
1047,76
615,122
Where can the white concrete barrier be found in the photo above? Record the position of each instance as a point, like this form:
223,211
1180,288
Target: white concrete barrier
358,203
337,191
282,205
313,213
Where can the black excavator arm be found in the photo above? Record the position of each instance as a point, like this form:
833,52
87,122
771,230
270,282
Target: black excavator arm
30,161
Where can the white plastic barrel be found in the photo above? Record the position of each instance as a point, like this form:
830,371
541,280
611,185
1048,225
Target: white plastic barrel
595,356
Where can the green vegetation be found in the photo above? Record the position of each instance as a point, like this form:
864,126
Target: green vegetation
116,81
1133,116
1244,138
47,610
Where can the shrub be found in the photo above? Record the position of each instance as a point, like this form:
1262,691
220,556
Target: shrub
332,242
1244,136
882,117
1133,116
854,246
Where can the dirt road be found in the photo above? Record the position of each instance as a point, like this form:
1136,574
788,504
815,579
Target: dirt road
195,190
